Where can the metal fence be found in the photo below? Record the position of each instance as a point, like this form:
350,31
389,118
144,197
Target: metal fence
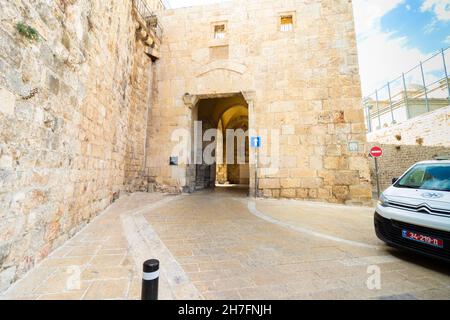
149,15
422,89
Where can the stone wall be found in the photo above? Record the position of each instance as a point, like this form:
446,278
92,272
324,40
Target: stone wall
431,129
141,82
399,158
304,83
73,112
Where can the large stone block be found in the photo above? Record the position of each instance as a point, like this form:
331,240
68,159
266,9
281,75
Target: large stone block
288,193
325,193
358,163
290,183
7,277
302,193
276,193
346,178
335,163
341,192
311,183
313,193
7,102
302,173
269,183
6,161
354,116
361,191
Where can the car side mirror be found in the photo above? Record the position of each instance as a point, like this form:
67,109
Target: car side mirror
394,180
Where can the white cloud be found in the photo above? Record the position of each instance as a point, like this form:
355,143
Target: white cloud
441,8
447,40
383,56
368,14
430,27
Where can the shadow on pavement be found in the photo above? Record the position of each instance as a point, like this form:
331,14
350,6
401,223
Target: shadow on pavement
430,263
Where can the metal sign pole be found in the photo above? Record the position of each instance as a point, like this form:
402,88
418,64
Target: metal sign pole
255,143
256,173
375,153
378,178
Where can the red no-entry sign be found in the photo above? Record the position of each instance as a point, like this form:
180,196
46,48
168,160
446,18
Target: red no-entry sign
376,152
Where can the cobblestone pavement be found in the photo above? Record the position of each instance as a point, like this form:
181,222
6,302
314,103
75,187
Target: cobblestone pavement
95,264
221,245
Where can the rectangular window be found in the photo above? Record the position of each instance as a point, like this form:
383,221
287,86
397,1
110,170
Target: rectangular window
219,31
287,23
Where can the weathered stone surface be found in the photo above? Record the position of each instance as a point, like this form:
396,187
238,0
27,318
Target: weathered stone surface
431,129
6,161
290,183
346,178
7,102
269,183
337,163
313,99
288,193
341,192
7,277
73,121
84,116
360,191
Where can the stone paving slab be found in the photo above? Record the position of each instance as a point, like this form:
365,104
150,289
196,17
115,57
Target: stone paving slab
214,245
95,264
307,251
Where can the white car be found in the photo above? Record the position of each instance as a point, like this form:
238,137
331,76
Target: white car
414,213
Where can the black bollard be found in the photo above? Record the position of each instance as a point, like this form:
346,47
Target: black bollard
150,280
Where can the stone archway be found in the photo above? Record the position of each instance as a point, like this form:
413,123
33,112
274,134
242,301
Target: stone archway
193,101
235,118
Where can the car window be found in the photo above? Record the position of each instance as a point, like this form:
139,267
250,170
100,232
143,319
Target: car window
427,176
415,178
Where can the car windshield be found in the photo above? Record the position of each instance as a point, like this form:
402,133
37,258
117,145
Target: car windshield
427,176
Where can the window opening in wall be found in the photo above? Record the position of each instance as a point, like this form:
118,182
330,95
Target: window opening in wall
219,31
287,23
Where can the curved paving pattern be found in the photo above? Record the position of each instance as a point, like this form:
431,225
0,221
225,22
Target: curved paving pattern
229,253
211,246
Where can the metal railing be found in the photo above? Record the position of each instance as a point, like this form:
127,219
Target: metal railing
164,4
149,16
422,89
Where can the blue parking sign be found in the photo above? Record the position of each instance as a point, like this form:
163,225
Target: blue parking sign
255,142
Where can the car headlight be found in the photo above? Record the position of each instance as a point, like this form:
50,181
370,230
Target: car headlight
384,202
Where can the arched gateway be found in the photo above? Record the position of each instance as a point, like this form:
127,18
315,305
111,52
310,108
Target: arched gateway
288,75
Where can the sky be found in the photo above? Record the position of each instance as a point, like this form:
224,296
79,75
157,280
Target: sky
393,35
